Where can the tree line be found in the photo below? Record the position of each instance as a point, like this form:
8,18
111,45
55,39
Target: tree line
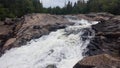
17,8
81,6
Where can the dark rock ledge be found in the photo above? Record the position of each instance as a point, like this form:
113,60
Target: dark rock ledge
104,48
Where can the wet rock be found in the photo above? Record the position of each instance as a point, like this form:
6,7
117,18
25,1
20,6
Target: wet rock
86,34
94,47
56,26
1,43
107,33
5,33
37,27
8,43
51,66
31,26
106,41
99,61
83,66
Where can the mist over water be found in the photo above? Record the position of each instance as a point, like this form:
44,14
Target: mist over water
62,48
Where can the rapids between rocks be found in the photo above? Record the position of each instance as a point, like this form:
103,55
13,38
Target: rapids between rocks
60,49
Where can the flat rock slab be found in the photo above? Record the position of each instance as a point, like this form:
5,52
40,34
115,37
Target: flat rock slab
100,61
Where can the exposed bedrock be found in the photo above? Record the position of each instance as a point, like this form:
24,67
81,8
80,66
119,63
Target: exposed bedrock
102,52
17,32
104,48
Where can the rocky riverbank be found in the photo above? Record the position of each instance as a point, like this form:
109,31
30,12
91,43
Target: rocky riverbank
104,48
102,52
17,32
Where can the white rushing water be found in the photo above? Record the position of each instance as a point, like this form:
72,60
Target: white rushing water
62,48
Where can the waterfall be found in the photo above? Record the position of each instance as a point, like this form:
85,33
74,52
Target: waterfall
60,49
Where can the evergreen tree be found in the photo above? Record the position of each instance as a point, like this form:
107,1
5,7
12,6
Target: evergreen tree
17,8
111,6
69,8
75,8
37,6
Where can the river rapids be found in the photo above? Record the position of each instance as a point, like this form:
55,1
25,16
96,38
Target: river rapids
60,49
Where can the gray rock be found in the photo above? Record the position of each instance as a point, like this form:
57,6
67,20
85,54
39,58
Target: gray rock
51,66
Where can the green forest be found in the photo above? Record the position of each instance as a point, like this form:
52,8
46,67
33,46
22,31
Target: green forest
18,8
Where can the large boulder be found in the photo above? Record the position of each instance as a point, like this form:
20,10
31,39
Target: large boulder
8,43
51,66
99,61
5,32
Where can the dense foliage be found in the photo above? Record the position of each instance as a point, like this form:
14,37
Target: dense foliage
111,6
17,8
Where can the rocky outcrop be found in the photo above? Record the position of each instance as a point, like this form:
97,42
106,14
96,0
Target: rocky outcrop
107,37
17,32
99,61
102,52
105,43
36,25
6,32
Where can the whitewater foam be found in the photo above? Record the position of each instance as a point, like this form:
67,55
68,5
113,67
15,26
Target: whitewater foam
62,48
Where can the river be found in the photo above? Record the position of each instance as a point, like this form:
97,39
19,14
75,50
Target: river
60,49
